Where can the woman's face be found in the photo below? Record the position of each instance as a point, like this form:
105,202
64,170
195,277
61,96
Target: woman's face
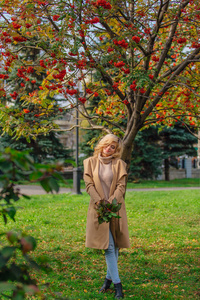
109,150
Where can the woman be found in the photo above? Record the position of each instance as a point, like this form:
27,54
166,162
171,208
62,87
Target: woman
105,179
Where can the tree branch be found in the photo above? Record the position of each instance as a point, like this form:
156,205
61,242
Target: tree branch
178,70
170,39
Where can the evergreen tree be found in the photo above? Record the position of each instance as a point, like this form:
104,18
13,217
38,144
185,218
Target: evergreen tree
146,156
155,145
44,149
175,142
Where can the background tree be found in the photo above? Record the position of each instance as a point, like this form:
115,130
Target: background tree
43,147
157,148
147,158
175,142
146,55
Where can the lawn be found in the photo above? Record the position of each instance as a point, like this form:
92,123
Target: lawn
162,263
184,182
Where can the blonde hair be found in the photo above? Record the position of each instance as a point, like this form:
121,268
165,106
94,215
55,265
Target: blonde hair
107,140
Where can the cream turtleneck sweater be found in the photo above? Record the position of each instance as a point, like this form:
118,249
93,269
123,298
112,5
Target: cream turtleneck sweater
105,174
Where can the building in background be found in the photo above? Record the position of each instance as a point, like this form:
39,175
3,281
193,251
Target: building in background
67,136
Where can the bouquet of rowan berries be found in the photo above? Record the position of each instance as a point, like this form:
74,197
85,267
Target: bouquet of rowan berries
107,210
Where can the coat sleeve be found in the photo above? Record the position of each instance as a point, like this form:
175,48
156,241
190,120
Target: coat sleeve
89,183
121,183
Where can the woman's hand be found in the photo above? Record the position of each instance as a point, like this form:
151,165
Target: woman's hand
98,202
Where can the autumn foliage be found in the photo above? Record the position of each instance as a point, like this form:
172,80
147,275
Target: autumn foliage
144,57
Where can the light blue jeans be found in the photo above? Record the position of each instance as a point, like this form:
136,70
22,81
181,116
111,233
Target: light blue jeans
111,255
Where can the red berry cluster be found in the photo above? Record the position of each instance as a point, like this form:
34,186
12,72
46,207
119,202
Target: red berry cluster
82,99
71,92
155,58
136,39
119,64
121,43
19,38
110,49
4,76
60,75
81,64
126,71
16,26
14,95
56,17
103,4
125,102
92,21
133,86
89,91
195,45
181,40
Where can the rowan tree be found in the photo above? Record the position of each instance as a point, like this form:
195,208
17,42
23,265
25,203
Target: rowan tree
145,55
43,147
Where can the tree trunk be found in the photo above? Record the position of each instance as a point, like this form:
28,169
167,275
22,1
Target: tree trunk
166,162
128,140
126,155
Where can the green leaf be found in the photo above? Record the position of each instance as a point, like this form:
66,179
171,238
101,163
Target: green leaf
26,197
12,237
113,214
4,218
21,163
62,17
114,202
100,220
32,263
5,254
45,184
59,176
11,211
35,175
53,185
30,5
30,240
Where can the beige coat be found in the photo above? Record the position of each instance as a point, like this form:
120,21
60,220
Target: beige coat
97,235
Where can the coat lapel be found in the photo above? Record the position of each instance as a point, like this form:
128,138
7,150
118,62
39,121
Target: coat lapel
114,181
97,180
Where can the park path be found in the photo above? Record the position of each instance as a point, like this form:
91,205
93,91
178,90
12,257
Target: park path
38,190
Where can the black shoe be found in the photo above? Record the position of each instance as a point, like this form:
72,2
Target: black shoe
105,286
118,291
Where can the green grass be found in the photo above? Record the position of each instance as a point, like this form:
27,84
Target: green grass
185,182
162,263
